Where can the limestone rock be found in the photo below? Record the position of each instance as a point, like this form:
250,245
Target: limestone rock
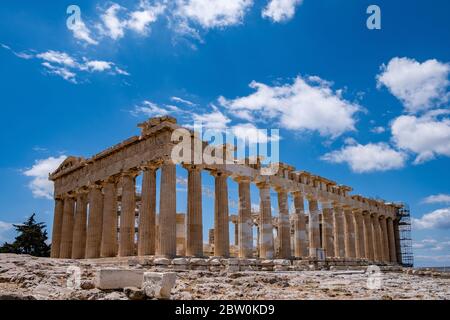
134,293
159,285
107,279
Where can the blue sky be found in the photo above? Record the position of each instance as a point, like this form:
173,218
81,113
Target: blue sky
365,108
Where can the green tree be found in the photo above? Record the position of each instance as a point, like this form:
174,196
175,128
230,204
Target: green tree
30,240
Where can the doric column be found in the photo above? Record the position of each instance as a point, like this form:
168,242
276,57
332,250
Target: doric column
299,226
327,229
57,227
236,233
245,223
65,250
359,234
384,238
168,211
284,226
80,227
339,238
376,232
108,246
391,235
147,214
266,242
221,215
95,221
313,226
368,237
194,236
349,231
127,214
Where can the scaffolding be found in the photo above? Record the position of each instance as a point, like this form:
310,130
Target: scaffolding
404,226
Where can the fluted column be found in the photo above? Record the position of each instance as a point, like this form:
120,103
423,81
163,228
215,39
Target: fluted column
194,235
245,222
339,238
67,228
299,226
168,211
95,221
384,239
108,246
391,235
57,227
313,226
327,229
265,223
368,237
127,214
359,234
349,231
80,227
284,227
221,216
147,214
376,232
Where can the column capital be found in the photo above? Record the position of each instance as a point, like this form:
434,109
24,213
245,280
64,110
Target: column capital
133,173
95,185
298,194
263,185
150,166
112,179
69,195
192,167
219,173
82,190
311,197
240,179
281,190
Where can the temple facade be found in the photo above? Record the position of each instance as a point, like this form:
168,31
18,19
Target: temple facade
99,213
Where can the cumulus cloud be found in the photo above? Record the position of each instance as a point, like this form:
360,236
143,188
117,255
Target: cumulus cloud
438,219
281,10
307,104
427,136
82,32
213,13
419,86
215,120
40,186
438,198
149,109
368,158
250,133
140,20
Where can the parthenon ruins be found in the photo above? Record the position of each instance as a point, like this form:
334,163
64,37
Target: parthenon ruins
99,213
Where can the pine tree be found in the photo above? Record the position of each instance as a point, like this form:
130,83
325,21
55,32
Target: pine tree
31,239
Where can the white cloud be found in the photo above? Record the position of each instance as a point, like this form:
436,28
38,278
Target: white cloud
438,198
5,227
438,219
419,86
63,72
368,158
140,20
427,136
431,244
181,100
281,10
378,130
214,13
306,104
149,109
81,32
250,133
40,186
114,26
97,65
215,120
58,57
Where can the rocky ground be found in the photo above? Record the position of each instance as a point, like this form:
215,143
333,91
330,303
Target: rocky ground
25,277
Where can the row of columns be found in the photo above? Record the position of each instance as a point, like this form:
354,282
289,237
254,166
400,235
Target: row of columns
345,233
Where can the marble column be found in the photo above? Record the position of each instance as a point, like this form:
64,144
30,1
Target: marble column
108,246
80,227
267,249
314,228
65,250
391,235
168,211
57,227
299,226
349,232
194,237
127,215
368,237
384,238
221,216
359,234
376,233
95,222
327,229
339,238
147,214
284,227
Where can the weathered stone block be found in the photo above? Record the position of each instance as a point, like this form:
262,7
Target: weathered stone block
282,262
108,279
180,261
161,262
159,285
198,262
